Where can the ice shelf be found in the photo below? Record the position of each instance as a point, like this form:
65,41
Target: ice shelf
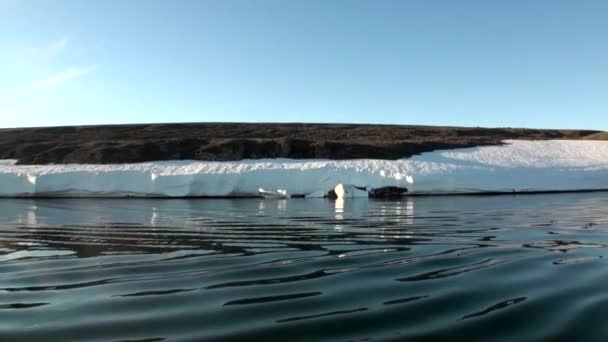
516,166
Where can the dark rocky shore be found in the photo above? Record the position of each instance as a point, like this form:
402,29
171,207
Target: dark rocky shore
234,141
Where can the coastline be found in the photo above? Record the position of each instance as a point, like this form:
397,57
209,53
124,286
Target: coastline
118,144
515,166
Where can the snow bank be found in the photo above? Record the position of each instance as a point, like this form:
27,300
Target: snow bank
519,165
516,166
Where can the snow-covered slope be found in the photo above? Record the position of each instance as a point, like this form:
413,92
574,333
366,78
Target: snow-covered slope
516,166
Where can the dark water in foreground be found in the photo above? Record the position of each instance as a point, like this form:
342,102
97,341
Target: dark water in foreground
452,268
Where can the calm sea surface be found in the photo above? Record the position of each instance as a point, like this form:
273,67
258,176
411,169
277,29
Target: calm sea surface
507,268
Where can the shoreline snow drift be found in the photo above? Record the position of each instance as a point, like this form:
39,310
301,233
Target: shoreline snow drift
517,166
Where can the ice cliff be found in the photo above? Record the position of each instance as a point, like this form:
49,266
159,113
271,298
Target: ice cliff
516,166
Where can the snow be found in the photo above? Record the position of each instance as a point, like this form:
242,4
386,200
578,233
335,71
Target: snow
516,166
279,193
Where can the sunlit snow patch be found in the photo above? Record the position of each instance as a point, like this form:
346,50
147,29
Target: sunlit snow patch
514,167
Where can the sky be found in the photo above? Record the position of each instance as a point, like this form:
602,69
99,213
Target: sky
516,63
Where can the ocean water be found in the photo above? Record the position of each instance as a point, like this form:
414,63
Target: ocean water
504,268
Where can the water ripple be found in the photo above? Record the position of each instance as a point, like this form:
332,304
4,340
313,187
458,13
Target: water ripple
510,267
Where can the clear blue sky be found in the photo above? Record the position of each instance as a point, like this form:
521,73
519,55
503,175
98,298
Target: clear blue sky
469,62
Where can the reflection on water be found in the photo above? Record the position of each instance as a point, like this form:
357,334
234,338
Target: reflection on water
339,205
510,267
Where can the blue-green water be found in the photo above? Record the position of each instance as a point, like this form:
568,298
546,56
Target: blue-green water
507,268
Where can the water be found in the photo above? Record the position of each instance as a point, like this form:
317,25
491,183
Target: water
453,268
